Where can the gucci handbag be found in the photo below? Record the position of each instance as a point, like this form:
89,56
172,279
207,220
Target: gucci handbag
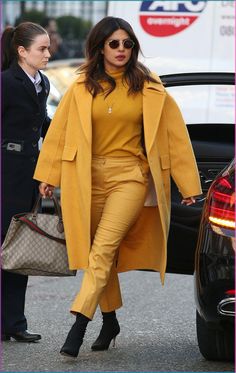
35,244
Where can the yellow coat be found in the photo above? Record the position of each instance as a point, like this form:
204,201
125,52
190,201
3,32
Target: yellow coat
65,161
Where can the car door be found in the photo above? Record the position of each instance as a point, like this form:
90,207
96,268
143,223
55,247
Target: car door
207,103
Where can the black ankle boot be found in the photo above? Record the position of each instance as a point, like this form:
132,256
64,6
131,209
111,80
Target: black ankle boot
75,336
110,329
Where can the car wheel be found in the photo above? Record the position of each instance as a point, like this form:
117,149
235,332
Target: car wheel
215,344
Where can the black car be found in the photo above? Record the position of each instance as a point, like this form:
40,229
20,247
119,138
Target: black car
201,239
214,270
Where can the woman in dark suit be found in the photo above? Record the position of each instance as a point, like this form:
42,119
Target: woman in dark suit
25,51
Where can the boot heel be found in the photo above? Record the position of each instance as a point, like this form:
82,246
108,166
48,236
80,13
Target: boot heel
114,342
110,330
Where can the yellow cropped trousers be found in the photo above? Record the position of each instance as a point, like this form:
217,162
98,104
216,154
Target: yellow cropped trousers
119,187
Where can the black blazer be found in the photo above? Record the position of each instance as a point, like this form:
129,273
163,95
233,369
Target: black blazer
24,121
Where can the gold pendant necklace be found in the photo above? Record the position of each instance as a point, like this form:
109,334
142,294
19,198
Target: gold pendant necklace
109,108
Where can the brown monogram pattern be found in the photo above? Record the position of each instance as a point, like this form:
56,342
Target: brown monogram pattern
26,252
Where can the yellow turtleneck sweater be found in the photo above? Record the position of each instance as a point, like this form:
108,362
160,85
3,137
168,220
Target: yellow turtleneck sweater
117,122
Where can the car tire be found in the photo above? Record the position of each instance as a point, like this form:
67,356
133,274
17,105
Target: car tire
215,344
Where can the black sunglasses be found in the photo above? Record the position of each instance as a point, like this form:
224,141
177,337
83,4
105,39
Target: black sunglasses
127,43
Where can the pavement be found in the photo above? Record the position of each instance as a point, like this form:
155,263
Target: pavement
157,329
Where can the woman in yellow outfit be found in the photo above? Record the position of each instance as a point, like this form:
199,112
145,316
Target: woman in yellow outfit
114,141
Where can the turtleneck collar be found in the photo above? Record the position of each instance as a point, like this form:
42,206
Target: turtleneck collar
116,74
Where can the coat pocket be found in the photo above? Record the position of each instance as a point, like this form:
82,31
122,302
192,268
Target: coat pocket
165,162
69,153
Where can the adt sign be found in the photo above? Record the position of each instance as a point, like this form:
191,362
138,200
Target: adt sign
166,18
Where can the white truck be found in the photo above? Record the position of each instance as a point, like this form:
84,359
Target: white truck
187,36
182,36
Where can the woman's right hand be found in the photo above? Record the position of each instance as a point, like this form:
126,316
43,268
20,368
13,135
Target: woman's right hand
46,190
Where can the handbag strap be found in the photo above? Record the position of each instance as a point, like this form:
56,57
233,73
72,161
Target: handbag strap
55,202
34,227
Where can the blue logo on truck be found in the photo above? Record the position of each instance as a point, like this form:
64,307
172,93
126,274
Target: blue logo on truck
166,18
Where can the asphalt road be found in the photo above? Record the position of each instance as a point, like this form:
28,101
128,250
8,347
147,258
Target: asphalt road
157,329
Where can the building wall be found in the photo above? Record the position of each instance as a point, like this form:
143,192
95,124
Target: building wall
89,10
10,11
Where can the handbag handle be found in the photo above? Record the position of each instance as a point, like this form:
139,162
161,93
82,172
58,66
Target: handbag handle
57,207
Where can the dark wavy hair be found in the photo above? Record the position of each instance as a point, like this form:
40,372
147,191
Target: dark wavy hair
135,72
13,37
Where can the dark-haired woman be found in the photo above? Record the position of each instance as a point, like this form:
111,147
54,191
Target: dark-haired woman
25,51
116,136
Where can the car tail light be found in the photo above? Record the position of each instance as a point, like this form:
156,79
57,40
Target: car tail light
222,203
230,292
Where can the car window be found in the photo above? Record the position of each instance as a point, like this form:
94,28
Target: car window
205,104
61,74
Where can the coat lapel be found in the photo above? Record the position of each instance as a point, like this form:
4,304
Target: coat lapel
44,84
153,101
26,82
84,104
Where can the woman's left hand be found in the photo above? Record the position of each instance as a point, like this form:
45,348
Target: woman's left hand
46,190
188,201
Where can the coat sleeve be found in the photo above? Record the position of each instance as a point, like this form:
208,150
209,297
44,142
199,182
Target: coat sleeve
183,165
48,167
